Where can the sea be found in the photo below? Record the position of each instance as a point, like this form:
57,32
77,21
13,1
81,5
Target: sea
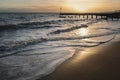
33,45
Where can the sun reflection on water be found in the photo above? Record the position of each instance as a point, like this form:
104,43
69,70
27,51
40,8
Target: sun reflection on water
82,32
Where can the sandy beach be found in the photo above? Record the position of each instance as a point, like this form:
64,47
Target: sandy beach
97,63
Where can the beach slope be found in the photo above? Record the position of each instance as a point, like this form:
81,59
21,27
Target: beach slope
97,63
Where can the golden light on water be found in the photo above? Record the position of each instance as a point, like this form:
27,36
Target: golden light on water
82,32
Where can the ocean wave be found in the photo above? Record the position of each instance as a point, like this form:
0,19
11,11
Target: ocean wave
31,67
35,25
83,25
68,30
21,45
44,22
15,27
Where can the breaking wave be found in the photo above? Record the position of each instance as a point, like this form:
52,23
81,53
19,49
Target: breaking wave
35,25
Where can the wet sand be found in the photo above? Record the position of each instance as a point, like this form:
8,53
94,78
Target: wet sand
97,63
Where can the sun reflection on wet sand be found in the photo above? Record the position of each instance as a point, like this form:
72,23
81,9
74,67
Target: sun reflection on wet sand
80,56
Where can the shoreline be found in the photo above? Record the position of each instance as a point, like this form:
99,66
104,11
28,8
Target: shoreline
100,63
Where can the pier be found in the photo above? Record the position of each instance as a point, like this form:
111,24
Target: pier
107,15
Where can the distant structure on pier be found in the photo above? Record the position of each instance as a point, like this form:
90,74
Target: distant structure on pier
115,15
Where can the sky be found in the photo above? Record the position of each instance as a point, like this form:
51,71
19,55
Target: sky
55,5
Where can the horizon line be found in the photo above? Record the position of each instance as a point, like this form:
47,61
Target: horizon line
55,12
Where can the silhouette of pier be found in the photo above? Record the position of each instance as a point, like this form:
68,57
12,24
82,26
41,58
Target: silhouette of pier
107,15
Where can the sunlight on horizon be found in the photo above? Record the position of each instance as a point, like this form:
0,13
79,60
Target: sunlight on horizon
54,5
90,5
93,5
77,5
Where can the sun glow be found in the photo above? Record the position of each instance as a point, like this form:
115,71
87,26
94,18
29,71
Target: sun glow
78,5
80,9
